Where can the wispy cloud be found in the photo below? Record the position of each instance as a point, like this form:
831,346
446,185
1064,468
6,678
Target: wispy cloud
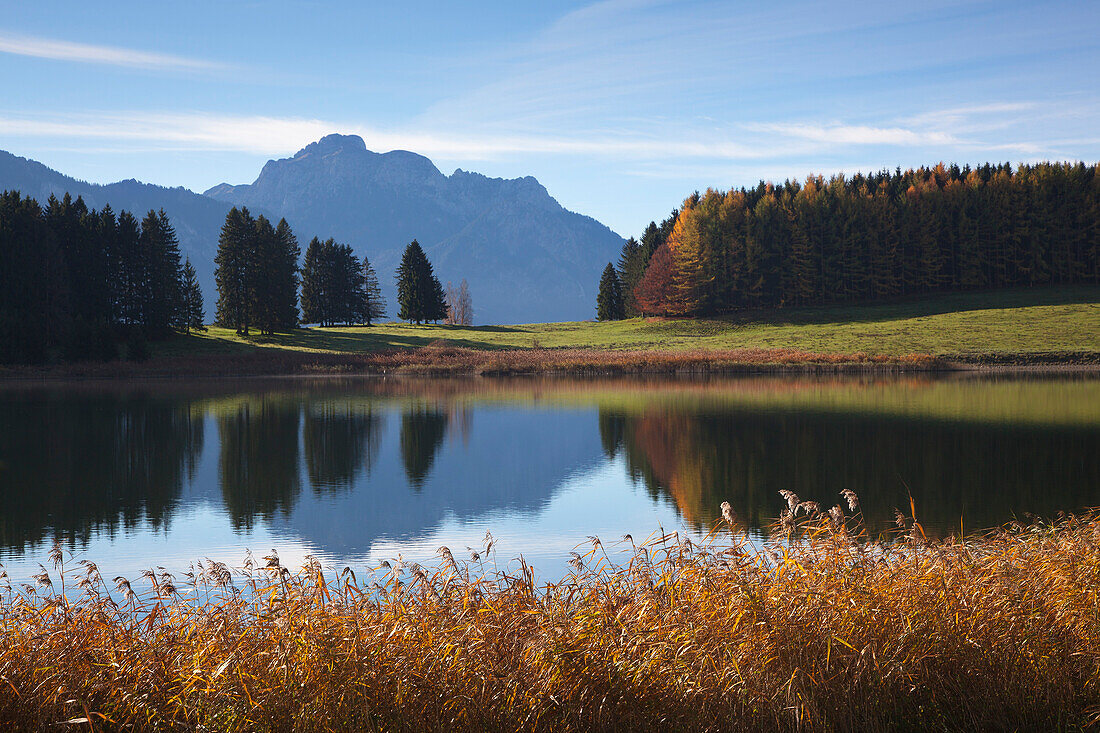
842,134
58,50
702,143
282,136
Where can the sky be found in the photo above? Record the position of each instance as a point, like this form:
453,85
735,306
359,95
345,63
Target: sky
621,108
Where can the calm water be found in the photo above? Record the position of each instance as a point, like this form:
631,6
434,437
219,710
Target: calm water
357,470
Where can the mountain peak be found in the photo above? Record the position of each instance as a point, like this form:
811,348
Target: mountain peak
334,143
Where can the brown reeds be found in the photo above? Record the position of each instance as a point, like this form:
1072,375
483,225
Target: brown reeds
443,360
820,628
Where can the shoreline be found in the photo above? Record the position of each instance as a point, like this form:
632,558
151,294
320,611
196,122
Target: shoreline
433,361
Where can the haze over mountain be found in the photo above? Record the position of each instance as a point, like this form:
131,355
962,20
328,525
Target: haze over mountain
525,257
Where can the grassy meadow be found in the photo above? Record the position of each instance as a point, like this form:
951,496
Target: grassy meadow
818,629
1006,323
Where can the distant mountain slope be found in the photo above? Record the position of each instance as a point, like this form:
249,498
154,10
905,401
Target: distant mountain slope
196,218
526,258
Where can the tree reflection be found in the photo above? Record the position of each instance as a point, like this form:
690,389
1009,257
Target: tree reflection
611,432
422,431
71,467
956,471
258,462
341,440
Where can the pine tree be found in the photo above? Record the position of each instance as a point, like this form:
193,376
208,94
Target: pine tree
234,272
609,299
350,295
313,284
286,276
374,304
631,267
192,309
419,293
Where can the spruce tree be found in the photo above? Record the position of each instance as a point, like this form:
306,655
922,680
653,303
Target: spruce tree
233,271
437,297
631,267
265,269
192,309
374,303
313,285
286,276
158,287
349,295
609,300
419,293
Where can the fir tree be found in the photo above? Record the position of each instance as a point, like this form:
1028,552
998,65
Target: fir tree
313,283
234,272
609,299
419,293
374,303
192,309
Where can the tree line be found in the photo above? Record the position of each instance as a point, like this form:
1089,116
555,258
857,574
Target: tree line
338,288
77,283
80,284
863,238
258,278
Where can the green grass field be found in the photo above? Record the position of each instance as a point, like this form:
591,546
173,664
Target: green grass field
1024,321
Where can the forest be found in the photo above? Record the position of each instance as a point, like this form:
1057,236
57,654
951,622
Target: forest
82,282
83,285
863,238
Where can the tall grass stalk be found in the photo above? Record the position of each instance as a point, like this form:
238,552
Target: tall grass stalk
821,628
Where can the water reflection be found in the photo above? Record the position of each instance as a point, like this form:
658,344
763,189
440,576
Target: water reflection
395,463
74,467
422,432
977,475
341,443
258,464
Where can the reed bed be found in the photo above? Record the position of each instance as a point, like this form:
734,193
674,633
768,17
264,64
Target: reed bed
820,628
439,359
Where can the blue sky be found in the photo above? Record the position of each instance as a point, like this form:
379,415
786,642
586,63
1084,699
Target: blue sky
620,108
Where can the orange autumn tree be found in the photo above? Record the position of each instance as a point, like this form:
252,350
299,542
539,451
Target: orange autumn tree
653,295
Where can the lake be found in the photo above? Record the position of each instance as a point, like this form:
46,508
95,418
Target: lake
356,470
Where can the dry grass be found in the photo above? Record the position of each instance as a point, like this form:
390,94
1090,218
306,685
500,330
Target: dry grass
820,629
439,359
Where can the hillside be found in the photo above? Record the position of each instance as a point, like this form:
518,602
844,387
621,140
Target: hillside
525,257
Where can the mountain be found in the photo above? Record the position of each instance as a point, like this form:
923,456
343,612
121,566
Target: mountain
525,257
197,219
